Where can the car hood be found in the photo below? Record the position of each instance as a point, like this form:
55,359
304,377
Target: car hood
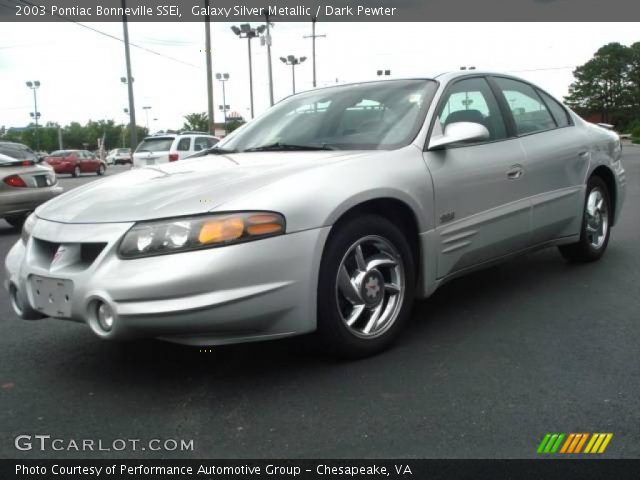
186,187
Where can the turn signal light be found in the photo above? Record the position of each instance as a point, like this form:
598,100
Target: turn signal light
223,230
14,181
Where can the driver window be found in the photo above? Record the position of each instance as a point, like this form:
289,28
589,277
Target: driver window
472,100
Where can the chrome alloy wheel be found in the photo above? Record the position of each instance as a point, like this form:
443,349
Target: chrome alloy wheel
370,286
597,218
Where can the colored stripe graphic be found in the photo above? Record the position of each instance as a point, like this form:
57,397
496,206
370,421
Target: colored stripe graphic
551,442
573,443
598,443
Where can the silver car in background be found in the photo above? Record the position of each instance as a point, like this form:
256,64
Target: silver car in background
23,186
331,213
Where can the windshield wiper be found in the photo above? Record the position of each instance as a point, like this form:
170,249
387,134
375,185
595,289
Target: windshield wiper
219,151
276,147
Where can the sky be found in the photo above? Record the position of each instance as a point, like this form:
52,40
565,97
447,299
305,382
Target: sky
80,69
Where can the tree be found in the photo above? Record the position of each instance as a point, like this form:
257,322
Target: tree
197,121
604,85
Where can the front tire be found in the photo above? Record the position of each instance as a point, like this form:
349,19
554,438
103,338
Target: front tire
366,287
596,225
100,171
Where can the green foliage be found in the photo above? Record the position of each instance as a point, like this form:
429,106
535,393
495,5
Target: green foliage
234,124
74,135
609,83
197,121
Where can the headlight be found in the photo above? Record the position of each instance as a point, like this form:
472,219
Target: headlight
27,227
195,233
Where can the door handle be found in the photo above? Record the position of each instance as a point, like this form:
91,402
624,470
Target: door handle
584,154
515,172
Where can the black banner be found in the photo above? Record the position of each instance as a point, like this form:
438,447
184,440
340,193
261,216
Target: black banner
324,10
319,469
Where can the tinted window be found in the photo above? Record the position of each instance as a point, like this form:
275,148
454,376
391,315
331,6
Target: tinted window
203,143
155,144
184,144
528,109
560,115
471,100
10,151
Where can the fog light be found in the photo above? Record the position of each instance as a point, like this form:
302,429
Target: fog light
105,316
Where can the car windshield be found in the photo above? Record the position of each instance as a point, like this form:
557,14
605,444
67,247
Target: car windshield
368,116
158,144
123,150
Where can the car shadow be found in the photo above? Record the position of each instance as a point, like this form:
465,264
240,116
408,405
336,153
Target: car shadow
145,362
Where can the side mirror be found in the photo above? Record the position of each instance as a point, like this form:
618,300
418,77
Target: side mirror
459,132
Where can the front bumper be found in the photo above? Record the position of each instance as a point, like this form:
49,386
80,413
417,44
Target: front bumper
252,291
19,201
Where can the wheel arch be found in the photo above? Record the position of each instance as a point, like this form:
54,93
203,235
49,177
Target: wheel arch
397,211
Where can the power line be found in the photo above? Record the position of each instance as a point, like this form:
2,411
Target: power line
544,69
113,37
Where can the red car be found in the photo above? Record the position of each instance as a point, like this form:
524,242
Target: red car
75,162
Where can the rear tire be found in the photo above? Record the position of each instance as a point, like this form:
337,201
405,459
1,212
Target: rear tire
16,221
100,171
366,287
596,225
76,172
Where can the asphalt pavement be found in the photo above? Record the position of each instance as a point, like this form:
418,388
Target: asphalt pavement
489,364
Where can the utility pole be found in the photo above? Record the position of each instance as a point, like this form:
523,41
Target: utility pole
59,137
250,75
207,32
132,110
267,39
313,37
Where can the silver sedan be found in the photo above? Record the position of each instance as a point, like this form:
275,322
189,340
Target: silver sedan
23,186
330,213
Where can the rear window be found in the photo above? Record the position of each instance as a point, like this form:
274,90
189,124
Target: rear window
20,152
9,151
123,150
160,144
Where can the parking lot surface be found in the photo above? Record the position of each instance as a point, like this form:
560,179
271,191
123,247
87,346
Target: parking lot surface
489,364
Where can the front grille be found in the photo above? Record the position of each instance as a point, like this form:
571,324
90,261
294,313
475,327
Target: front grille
44,252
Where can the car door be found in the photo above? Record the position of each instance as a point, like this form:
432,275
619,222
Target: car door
84,161
480,194
184,147
557,159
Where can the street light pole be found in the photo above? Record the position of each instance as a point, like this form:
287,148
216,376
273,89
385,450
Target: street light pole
146,111
222,78
293,61
34,86
129,81
268,41
250,76
246,31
